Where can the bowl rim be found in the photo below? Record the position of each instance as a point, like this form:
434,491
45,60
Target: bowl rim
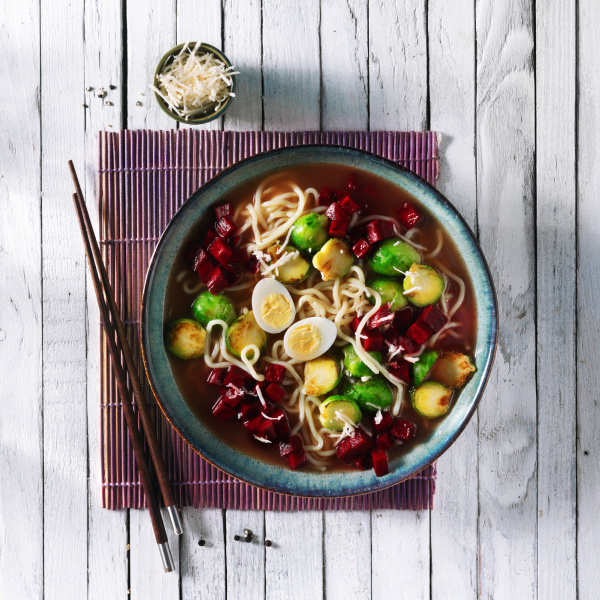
162,103
486,368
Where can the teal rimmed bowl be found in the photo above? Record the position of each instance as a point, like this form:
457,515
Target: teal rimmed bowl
279,478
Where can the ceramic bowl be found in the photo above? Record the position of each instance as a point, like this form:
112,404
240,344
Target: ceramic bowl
279,478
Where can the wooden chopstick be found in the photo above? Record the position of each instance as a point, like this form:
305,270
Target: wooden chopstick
130,417
140,398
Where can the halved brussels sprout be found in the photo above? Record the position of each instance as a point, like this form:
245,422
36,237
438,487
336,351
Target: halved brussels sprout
243,332
334,259
452,369
422,367
425,288
431,399
292,272
391,292
321,375
342,406
372,395
310,233
185,339
353,363
207,308
392,256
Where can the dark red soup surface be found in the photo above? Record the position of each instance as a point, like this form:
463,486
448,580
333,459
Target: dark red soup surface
372,196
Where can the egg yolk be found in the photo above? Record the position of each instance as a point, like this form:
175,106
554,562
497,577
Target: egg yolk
275,311
304,339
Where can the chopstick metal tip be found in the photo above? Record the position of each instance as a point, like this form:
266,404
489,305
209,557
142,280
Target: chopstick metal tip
166,556
175,519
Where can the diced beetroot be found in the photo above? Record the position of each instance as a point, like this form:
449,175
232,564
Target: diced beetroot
223,411
382,317
275,373
402,370
379,230
402,320
225,227
338,228
280,423
385,424
326,196
265,430
433,317
336,213
238,256
235,377
253,423
220,250
233,396
352,183
217,280
362,462
355,446
409,346
355,323
292,444
402,429
419,332
361,248
208,239
204,270
253,265
296,459
380,463
349,205
232,274
224,210
217,377
198,256
356,233
408,216
201,263
372,340
247,410
234,242
384,440
275,392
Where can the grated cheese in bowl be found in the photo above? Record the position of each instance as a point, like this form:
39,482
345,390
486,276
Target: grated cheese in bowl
194,83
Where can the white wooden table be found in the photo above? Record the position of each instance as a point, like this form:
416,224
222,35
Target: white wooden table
515,90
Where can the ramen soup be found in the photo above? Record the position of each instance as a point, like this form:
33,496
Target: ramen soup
320,319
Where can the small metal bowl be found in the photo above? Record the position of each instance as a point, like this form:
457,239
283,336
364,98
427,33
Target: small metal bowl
209,116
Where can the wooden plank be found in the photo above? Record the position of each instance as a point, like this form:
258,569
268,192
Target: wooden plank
21,428
507,415
294,563
108,536
588,309
397,65
400,554
64,310
556,298
454,541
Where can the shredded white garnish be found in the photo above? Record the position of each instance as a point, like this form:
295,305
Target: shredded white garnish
285,258
263,440
366,378
272,418
411,359
378,417
260,396
287,239
412,289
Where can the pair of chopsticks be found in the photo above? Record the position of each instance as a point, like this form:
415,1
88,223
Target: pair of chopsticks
115,334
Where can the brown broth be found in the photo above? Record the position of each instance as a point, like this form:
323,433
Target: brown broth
191,375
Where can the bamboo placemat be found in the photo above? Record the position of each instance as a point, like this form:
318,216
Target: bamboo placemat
143,178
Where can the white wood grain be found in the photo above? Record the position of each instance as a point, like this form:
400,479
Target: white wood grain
397,65
107,530
556,298
294,563
21,429
507,416
400,555
454,543
588,308
64,311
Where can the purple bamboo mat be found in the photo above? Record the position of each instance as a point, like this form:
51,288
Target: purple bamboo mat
144,177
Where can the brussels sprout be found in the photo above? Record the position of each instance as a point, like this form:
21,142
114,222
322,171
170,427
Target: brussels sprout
243,332
372,395
207,308
185,339
392,256
334,259
431,399
321,375
292,272
310,232
421,368
427,287
391,292
452,369
335,406
353,363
